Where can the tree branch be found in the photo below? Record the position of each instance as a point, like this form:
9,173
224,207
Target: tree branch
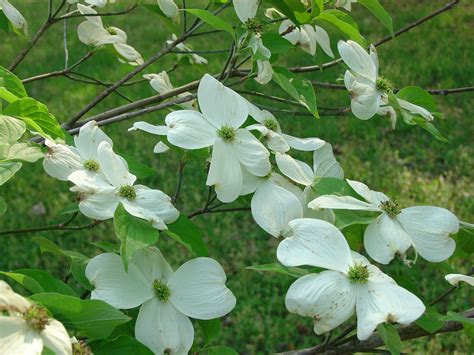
60,226
374,341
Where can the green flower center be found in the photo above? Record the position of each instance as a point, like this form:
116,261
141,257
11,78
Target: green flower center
270,123
91,165
358,274
36,317
128,192
81,348
111,31
226,133
390,207
162,291
253,25
384,85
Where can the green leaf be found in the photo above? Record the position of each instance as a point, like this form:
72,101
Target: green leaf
134,234
78,260
307,95
219,350
171,25
379,12
12,83
417,96
464,241
97,319
7,95
276,43
333,186
20,151
136,168
213,21
186,233
7,170
11,129
430,320
123,345
293,9
108,247
340,20
390,337
280,269
346,218
3,205
211,329
36,116
39,281
281,77
27,282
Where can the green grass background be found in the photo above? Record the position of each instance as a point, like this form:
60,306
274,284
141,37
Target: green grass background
408,164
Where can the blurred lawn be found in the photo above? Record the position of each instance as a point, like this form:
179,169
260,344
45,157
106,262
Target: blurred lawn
407,164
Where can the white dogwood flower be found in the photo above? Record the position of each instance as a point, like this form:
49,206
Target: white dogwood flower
264,72
100,196
14,16
193,57
350,283
346,4
166,297
368,90
27,328
306,37
455,279
413,109
426,228
62,160
162,85
92,32
276,140
234,148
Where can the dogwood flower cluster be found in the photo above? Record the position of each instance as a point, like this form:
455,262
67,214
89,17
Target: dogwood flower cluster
167,298
92,32
102,180
26,328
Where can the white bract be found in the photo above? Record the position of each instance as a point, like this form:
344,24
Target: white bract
325,165
246,9
349,284
62,160
92,32
25,328
162,84
14,16
367,89
413,109
306,37
101,194
346,4
276,140
193,57
275,202
170,9
426,228
234,148
166,298
455,279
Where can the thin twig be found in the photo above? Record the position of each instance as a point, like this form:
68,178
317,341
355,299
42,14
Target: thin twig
60,226
179,182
